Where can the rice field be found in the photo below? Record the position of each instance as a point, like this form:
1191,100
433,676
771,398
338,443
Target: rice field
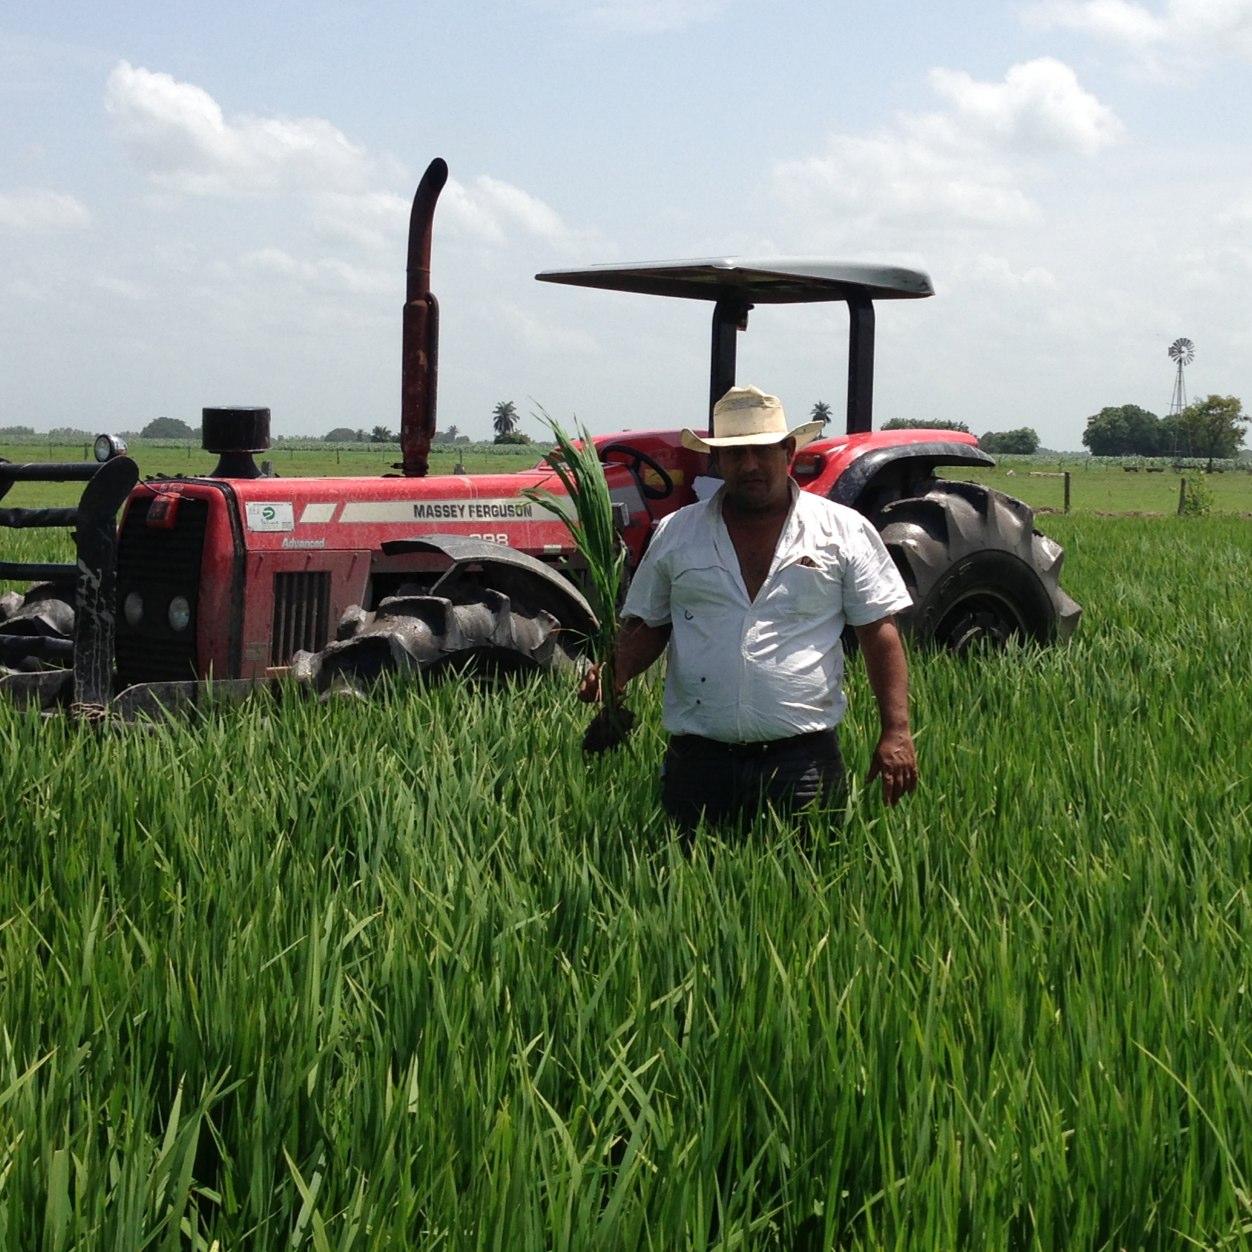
415,974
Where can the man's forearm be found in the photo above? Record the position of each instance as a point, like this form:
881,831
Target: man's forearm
888,672
894,759
638,647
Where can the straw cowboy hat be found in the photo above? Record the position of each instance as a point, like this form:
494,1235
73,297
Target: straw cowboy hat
746,416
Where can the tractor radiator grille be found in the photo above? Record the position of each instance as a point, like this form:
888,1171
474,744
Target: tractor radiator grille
157,565
301,614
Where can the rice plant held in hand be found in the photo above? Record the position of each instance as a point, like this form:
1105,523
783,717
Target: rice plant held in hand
577,464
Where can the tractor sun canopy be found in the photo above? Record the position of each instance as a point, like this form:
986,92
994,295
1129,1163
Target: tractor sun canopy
776,280
736,284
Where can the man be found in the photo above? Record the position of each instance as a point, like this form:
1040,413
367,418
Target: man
751,589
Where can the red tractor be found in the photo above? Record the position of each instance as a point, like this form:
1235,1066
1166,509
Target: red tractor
235,575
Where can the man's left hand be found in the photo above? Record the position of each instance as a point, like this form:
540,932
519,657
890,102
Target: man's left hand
895,761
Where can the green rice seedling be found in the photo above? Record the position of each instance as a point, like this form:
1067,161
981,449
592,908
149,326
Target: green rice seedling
576,463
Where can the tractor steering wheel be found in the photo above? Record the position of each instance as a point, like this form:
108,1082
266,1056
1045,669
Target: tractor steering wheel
637,459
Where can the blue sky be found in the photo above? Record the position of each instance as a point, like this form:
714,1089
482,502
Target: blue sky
204,208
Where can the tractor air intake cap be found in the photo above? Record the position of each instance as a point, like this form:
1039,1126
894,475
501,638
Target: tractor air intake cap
235,434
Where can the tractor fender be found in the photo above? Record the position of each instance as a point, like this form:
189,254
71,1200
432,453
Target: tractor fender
857,479
521,577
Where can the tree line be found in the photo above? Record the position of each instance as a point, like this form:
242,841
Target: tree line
504,420
1023,439
1210,428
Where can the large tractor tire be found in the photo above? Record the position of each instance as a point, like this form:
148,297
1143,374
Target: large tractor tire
36,630
46,611
484,635
10,602
977,569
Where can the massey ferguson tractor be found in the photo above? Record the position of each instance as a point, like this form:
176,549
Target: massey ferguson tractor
240,577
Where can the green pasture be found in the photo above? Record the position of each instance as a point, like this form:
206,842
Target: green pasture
1096,487
295,461
1103,488
414,974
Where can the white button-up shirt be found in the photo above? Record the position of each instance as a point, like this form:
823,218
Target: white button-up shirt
743,670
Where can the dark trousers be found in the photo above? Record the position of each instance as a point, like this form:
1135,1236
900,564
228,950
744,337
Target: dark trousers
731,783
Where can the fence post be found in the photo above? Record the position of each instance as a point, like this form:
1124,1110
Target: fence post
1182,496
1067,491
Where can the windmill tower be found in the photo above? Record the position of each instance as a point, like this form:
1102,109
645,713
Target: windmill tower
1181,351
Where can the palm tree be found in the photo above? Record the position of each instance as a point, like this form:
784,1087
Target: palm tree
453,431
504,417
821,412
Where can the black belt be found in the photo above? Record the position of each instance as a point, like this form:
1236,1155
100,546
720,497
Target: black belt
759,747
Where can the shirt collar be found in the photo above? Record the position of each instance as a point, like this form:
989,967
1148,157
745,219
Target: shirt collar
787,537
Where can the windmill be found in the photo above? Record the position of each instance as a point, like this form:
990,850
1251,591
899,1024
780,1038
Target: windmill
1182,351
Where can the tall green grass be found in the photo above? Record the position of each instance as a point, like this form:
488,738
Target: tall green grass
418,974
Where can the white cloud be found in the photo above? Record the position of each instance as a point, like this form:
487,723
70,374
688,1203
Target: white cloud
465,215
996,272
490,211
1214,22
540,335
122,287
369,219
1039,107
1238,214
1183,27
325,274
21,290
487,211
35,209
970,166
907,176
512,204
1119,20
178,134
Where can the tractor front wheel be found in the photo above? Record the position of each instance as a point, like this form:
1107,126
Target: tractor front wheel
486,636
977,569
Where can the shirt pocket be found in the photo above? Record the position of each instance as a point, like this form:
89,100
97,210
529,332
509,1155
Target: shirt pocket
809,590
696,589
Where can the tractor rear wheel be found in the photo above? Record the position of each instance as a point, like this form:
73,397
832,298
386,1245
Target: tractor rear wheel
977,569
486,636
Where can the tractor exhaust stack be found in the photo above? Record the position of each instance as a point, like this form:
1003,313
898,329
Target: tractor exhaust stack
419,370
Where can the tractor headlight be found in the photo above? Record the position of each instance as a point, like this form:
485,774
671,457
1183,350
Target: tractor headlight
132,610
179,613
107,447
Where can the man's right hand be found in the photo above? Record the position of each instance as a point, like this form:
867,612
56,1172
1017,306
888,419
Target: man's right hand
638,645
589,688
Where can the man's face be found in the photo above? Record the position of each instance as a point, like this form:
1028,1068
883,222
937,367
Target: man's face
756,478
